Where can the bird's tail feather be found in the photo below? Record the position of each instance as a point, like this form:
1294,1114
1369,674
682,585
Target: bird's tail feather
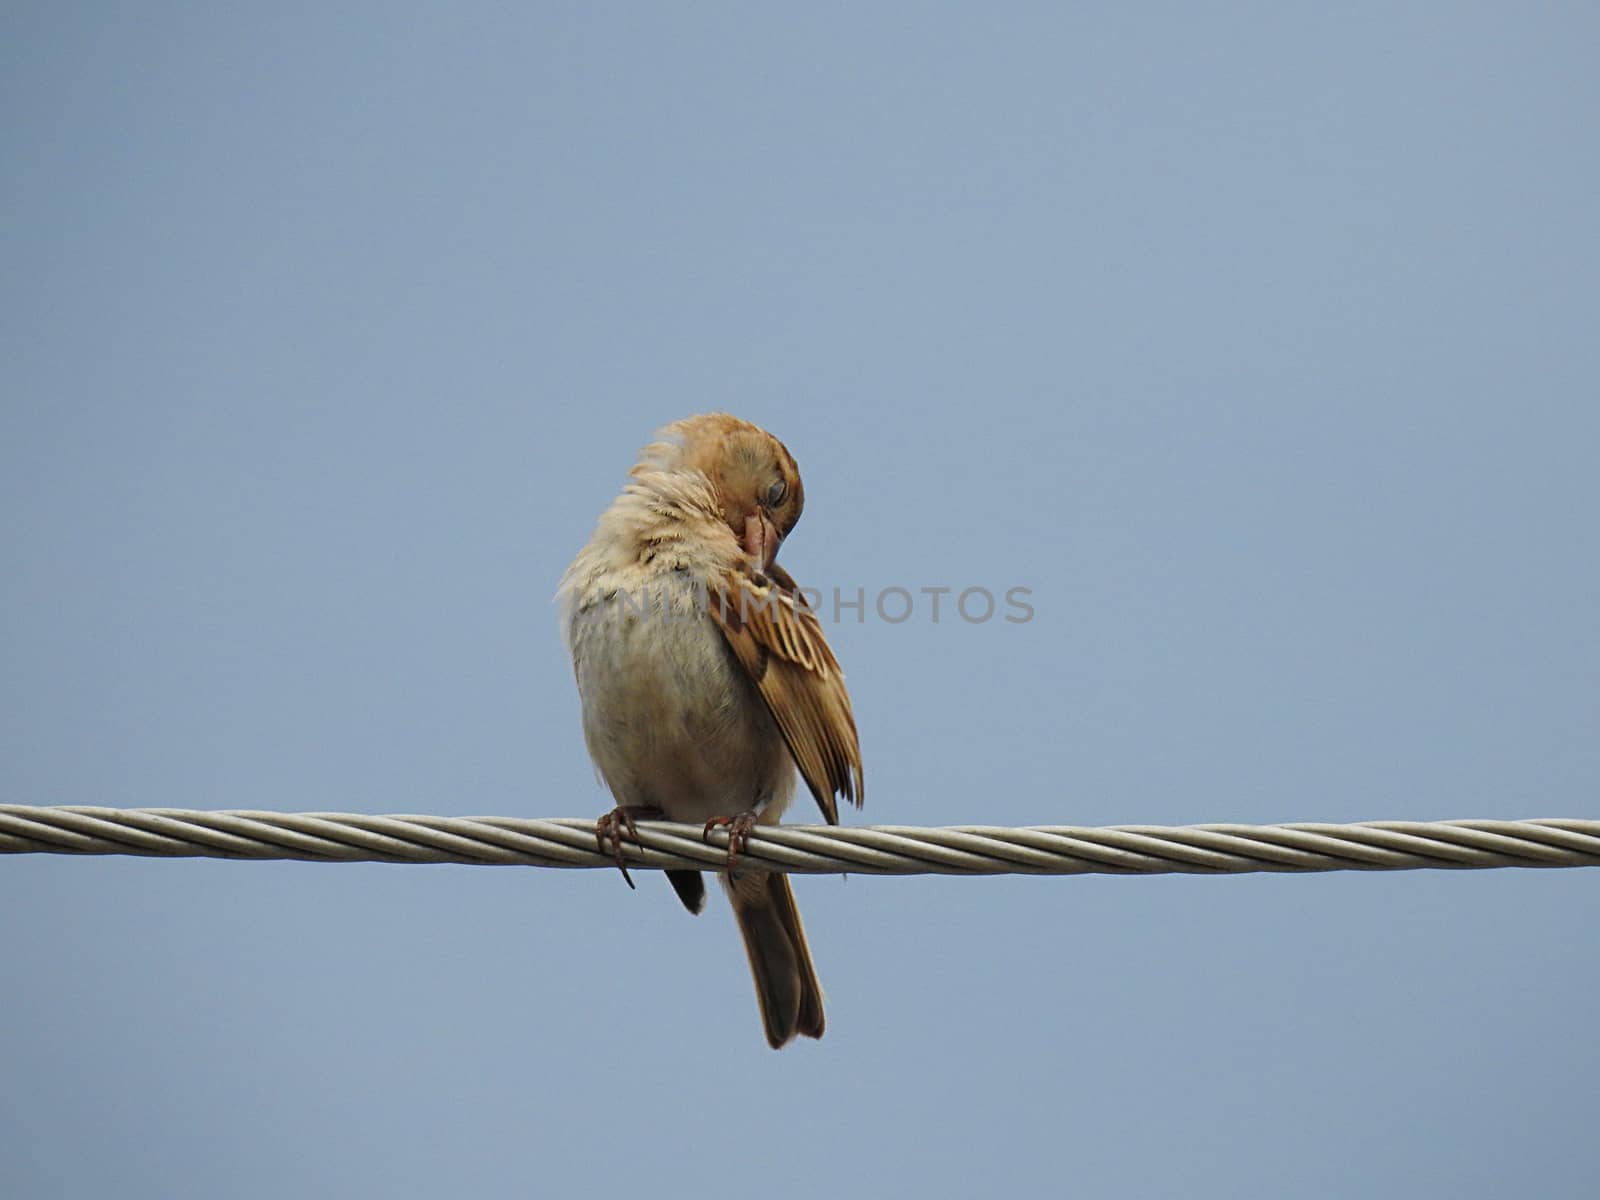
780,961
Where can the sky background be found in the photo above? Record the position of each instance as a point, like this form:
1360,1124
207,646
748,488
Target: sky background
1258,340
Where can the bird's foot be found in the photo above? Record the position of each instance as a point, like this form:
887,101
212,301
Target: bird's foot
739,827
618,826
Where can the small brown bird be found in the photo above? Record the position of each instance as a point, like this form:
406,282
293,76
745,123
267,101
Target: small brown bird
706,680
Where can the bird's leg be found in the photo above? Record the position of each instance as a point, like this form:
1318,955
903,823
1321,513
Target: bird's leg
739,826
618,825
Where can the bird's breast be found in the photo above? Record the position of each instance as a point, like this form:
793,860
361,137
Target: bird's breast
670,718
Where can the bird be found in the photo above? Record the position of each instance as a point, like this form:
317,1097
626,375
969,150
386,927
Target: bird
706,682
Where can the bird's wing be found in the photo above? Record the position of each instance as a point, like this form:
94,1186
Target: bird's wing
779,642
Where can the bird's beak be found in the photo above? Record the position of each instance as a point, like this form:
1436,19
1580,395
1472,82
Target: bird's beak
761,539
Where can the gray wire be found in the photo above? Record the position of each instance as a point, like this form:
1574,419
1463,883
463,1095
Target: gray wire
807,849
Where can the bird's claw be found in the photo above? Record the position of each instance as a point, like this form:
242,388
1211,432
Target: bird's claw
739,826
616,827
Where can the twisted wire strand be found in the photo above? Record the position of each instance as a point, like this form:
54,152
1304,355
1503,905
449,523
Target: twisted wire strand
1223,849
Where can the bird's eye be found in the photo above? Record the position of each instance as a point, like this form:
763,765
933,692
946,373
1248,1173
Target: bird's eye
776,493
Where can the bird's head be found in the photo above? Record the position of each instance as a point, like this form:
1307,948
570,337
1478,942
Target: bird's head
753,477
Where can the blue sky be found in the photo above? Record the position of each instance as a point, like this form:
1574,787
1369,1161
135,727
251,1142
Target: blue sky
1258,341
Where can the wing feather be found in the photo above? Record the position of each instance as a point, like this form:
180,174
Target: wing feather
779,642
